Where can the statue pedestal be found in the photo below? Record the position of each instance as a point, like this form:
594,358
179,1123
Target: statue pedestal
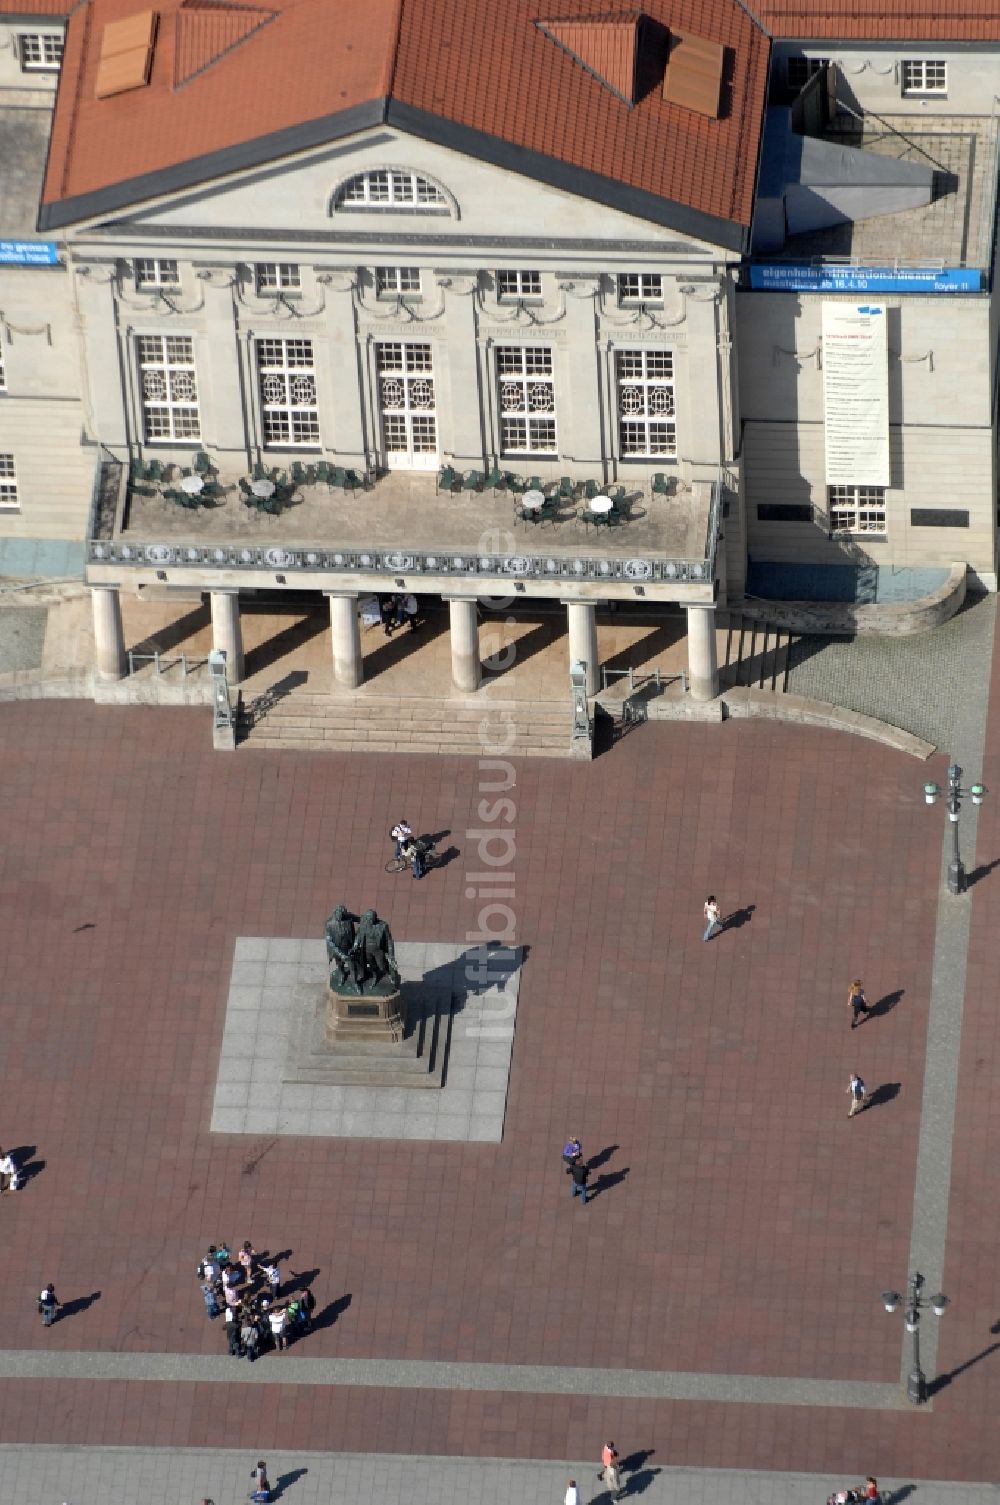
368,1016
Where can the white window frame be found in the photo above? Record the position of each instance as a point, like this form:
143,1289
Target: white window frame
857,510
290,363
925,76
277,279
397,282
527,400
155,272
45,49
391,188
807,69
170,358
516,286
647,416
639,287
408,403
9,501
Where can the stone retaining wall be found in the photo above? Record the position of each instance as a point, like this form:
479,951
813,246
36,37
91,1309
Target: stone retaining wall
849,618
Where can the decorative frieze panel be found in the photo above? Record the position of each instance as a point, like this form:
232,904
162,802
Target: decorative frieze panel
635,571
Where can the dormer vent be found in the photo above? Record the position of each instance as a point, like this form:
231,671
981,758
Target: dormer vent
126,54
694,74
606,45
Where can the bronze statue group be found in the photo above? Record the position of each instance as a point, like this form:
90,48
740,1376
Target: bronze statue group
360,953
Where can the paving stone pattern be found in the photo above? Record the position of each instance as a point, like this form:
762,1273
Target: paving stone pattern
918,683
742,1225
22,637
124,1476
268,976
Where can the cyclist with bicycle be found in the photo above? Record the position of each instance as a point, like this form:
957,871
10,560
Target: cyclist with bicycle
408,848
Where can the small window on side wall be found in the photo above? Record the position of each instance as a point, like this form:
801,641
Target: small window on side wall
925,76
152,273
8,482
274,277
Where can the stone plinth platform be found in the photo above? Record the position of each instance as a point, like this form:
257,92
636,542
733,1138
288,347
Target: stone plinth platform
275,1075
346,1051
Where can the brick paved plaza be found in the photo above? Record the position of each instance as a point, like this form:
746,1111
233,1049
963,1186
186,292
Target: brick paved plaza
718,1302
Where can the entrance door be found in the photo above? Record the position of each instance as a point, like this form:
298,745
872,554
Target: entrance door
408,405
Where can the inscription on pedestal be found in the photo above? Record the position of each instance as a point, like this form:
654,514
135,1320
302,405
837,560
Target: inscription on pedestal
363,1010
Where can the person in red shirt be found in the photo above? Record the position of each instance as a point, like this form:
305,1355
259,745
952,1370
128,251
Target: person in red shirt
871,1488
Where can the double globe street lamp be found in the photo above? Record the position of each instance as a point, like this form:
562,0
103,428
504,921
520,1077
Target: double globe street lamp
916,1302
955,792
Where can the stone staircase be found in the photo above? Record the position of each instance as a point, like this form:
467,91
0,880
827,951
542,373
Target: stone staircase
756,655
313,722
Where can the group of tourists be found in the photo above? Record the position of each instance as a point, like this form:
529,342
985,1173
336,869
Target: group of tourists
247,1288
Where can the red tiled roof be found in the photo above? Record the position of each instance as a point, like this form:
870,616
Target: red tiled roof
882,20
57,9
477,74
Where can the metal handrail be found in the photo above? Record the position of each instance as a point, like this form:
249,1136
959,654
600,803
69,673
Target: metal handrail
162,662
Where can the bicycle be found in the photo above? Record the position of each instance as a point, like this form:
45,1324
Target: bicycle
427,854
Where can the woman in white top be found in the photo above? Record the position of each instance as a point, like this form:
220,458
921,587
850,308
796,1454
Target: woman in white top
278,1319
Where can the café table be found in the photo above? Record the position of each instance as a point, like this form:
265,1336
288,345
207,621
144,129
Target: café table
263,489
193,485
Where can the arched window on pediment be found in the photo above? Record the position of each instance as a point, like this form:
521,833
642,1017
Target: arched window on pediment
395,189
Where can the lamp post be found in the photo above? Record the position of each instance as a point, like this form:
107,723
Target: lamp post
975,792
916,1382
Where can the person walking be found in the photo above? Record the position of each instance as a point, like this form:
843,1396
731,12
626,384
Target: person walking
580,1174
856,1088
871,1489
9,1178
273,1277
402,832
233,1333
209,1276
571,1153
278,1320
857,1003
261,1491
610,1472
713,917
48,1305
572,1496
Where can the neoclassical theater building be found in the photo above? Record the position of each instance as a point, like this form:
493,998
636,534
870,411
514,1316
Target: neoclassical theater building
730,266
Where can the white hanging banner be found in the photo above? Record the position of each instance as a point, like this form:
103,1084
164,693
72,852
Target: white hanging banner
856,393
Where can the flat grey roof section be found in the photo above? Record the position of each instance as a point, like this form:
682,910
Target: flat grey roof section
955,229
24,142
268,974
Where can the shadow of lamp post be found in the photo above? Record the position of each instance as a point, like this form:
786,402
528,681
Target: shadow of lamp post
955,792
916,1302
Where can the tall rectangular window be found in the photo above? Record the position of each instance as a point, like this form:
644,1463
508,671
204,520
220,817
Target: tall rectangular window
857,509
646,415
925,76
274,277
392,281
8,482
169,387
514,285
640,287
527,399
40,51
287,378
154,272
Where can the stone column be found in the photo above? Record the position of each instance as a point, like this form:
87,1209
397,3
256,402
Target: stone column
227,632
109,639
466,669
583,639
703,667
348,665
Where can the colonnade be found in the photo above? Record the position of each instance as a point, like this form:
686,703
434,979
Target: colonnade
348,663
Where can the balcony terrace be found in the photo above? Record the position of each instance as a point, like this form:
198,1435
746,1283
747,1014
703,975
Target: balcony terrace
405,526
